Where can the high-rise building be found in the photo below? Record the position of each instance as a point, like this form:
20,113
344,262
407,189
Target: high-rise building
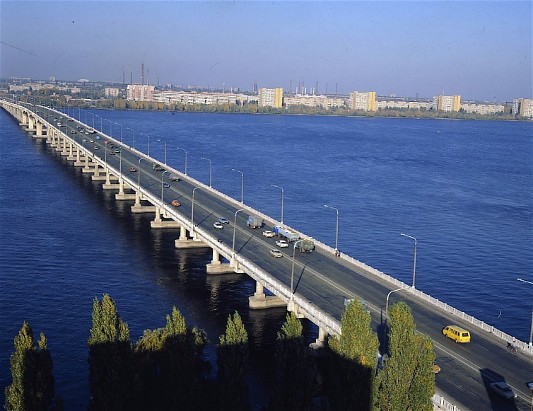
447,103
363,101
140,92
271,97
523,107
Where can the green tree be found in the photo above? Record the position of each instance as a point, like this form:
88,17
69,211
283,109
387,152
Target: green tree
32,388
353,365
296,376
232,360
110,379
407,381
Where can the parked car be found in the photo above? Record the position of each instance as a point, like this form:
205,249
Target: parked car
175,203
502,389
218,225
282,244
223,220
268,233
274,252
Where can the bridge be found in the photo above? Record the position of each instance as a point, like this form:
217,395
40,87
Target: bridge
313,285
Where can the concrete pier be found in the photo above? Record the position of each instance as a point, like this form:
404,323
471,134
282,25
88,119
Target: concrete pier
260,301
185,242
217,267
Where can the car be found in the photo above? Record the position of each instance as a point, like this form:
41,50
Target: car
218,225
436,368
96,147
223,220
502,389
282,243
166,185
175,203
72,131
456,333
117,150
529,385
274,252
268,234
173,178
111,153
133,169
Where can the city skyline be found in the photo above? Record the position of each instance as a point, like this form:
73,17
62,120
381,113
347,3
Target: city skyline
479,50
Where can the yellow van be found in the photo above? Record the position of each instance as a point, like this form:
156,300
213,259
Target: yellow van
456,333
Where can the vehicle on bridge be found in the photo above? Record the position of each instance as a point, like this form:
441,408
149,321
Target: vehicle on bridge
456,333
173,177
502,389
305,246
284,232
133,169
254,222
282,243
218,225
274,252
156,167
175,203
268,234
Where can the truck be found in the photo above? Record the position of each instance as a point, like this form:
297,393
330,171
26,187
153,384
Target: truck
286,233
254,222
305,246
156,167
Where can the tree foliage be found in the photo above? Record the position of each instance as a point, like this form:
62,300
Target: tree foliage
296,375
407,381
232,360
31,370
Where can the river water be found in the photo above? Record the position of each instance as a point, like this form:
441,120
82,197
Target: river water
462,188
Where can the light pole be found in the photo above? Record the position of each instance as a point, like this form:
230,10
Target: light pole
234,227
387,302
204,158
336,229
292,269
192,209
186,155
93,118
118,124
242,183
133,136
162,174
139,177
281,188
165,143
531,329
414,258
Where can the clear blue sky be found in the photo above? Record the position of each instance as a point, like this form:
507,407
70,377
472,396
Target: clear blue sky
478,49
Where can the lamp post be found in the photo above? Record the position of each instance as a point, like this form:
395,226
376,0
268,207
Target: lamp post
281,188
204,158
118,124
165,143
133,136
139,176
387,302
234,227
531,329
186,155
292,269
93,118
242,183
414,258
336,228
192,209
162,174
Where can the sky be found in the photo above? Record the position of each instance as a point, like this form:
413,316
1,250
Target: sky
481,50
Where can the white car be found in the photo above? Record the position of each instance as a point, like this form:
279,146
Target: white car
268,234
274,252
282,244
218,225
503,390
223,220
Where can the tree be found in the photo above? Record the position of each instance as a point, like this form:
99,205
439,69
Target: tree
232,360
110,353
407,381
353,365
295,382
31,370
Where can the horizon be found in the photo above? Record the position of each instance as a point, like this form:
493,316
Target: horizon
480,50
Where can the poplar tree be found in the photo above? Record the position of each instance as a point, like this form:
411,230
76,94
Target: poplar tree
407,381
295,382
232,360
110,379
31,370
352,367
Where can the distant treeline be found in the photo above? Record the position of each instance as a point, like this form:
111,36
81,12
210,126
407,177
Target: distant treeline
166,368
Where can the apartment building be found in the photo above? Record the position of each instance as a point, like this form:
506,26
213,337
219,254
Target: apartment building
111,92
447,103
270,97
403,104
314,101
522,107
191,97
363,101
482,108
140,92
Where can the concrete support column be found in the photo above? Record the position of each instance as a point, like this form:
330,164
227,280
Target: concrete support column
31,123
183,233
39,129
260,301
216,257
157,218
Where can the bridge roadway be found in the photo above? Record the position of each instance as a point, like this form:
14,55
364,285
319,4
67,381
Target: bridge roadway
322,279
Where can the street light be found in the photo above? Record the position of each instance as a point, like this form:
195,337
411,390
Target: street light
414,258
292,270
281,188
139,177
118,124
162,174
192,209
133,135
387,302
204,158
234,227
336,229
186,155
242,183
165,143
531,330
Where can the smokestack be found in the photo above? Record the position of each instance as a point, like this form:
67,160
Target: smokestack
142,74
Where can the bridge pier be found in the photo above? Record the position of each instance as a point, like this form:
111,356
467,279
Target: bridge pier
185,242
321,340
260,301
217,267
158,222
